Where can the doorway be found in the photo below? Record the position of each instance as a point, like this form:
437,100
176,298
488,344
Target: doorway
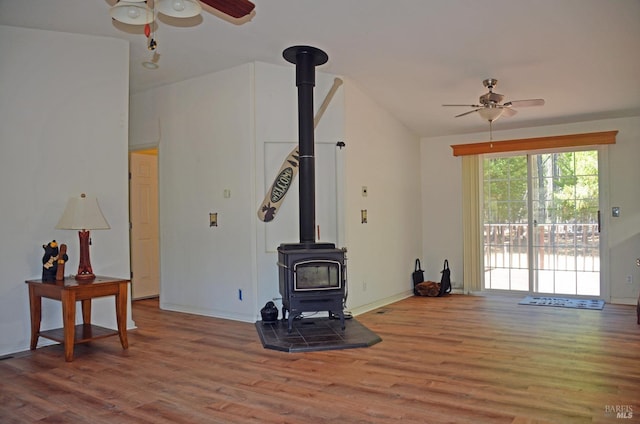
144,227
542,223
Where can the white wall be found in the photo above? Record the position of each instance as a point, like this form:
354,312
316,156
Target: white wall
212,135
206,133
441,208
384,156
211,132
442,202
63,129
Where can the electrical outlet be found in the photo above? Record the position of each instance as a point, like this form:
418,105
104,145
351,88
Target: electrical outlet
629,279
364,286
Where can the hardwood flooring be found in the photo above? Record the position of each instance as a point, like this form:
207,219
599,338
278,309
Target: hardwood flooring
458,359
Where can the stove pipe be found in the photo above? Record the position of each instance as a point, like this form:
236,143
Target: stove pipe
306,58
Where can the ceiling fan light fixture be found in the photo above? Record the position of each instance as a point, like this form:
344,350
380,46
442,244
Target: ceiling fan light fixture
490,113
178,8
132,12
150,65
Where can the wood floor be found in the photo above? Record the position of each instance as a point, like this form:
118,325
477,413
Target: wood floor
459,359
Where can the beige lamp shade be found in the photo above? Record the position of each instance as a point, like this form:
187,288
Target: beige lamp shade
82,213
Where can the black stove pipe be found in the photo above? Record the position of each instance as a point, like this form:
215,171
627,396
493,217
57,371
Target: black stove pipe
306,58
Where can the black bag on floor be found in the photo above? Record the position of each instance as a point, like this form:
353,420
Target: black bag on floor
445,282
418,276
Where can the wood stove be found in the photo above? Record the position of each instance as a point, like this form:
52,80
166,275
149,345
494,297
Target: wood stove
312,276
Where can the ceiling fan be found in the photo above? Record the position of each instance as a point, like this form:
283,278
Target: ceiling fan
142,12
490,107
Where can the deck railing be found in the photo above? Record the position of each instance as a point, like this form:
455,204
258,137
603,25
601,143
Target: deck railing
555,246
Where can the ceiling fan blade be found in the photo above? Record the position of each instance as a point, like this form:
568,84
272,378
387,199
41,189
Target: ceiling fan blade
466,113
508,112
464,105
525,103
233,8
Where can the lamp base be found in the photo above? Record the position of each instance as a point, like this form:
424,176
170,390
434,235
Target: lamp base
85,276
85,272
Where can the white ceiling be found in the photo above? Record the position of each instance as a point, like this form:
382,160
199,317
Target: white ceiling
410,56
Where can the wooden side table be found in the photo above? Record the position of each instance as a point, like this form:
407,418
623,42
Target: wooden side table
68,291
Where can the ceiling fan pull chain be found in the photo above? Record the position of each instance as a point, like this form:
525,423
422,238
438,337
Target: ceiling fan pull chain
153,44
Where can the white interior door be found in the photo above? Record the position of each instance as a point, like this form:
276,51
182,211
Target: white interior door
145,246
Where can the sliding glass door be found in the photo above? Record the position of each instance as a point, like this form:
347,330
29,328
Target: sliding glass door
541,223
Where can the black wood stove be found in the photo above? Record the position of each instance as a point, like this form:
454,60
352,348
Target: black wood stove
312,276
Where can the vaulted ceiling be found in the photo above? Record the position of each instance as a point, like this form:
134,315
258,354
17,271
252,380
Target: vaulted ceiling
409,56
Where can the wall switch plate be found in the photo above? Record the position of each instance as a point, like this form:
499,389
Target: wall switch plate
365,191
227,193
615,211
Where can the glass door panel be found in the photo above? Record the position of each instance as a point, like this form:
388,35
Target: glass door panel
541,230
506,261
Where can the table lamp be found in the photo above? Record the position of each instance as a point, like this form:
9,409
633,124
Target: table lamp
83,213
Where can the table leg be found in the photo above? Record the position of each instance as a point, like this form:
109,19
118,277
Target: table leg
69,322
35,303
121,313
86,311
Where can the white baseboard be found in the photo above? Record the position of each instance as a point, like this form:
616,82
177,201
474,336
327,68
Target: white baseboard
207,312
379,303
